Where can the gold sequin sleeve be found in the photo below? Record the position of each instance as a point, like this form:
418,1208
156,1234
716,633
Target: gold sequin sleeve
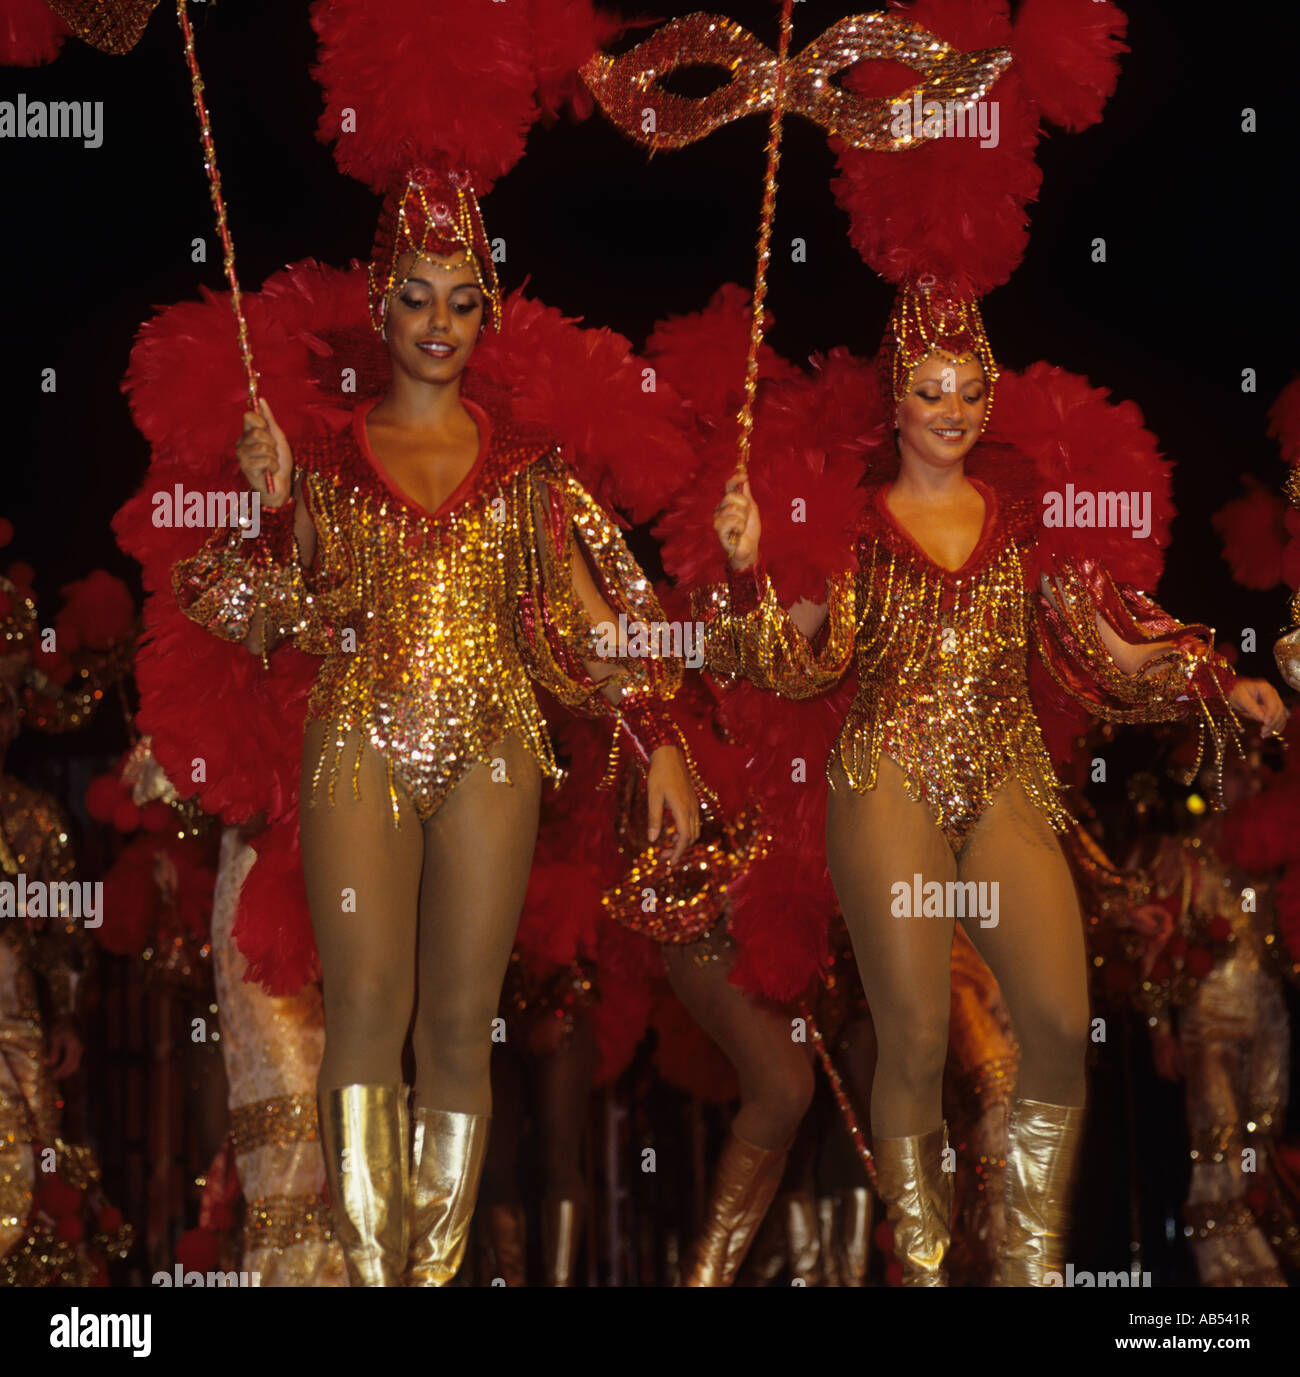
232,582
749,634
1185,679
561,522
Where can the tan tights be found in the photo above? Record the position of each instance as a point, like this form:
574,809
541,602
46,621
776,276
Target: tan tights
880,838
775,1072
416,920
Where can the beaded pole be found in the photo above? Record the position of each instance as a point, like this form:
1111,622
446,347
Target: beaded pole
766,215
219,206
841,1097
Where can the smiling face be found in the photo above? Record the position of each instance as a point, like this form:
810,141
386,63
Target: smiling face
434,316
943,413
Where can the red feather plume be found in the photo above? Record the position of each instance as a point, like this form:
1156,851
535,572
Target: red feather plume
1254,535
31,34
959,214
414,82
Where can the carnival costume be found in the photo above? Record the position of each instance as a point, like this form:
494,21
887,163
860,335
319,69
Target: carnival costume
965,680
433,627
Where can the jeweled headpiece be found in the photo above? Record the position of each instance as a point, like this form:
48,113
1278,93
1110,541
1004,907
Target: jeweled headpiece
432,145
433,212
926,320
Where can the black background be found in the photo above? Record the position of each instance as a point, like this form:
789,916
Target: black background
1199,284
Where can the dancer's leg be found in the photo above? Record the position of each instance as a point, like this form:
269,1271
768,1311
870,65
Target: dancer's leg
478,853
363,886
774,1071
874,841
1035,949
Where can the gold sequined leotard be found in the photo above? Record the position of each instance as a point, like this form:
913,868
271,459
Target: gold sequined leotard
432,625
942,659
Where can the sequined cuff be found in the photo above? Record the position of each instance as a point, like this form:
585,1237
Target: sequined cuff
746,588
644,720
226,585
274,540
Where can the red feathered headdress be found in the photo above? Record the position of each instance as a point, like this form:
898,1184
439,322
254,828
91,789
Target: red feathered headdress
430,101
947,221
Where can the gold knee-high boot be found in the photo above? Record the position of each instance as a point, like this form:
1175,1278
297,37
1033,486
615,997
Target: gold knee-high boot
918,1196
446,1163
561,1235
1042,1149
744,1182
364,1133
853,1235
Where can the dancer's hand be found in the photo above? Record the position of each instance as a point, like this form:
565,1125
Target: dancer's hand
1259,700
263,449
736,521
669,782
64,1055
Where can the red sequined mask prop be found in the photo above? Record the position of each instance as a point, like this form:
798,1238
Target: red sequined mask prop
432,213
630,90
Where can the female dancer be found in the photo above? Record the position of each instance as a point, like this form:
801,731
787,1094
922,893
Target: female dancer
941,773
437,557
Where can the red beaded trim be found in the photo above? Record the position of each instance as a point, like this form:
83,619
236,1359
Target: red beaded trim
274,539
646,723
1213,677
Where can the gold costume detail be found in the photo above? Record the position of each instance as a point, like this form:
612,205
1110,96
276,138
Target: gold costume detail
432,623
279,1222
1160,692
744,1182
942,663
446,1163
273,1123
365,1131
626,84
1043,1143
918,1196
